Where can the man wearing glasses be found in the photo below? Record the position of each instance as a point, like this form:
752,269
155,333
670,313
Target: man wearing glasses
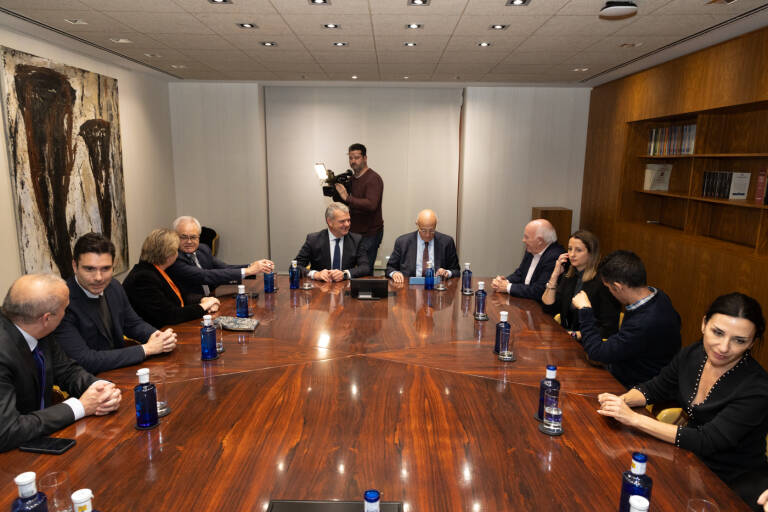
197,272
413,250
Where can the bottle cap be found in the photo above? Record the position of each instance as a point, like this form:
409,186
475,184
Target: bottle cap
240,288
207,320
466,266
504,315
143,374
294,263
371,496
638,503
81,499
551,372
481,285
27,484
429,264
639,461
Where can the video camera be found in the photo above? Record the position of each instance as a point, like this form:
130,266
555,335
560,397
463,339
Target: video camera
330,180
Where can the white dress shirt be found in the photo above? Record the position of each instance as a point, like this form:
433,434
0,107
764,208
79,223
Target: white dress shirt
532,268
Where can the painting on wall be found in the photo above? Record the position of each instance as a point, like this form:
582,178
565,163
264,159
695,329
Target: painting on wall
65,159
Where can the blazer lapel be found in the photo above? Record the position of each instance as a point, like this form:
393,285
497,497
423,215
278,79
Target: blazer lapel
28,360
413,255
350,251
325,251
438,260
114,309
92,312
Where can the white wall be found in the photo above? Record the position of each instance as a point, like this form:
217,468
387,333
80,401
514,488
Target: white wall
523,147
412,138
146,144
219,163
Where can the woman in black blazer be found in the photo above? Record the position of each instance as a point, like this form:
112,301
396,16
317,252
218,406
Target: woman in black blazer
583,255
723,392
153,295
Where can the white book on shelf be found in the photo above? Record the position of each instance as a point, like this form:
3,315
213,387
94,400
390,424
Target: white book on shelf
739,185
657,177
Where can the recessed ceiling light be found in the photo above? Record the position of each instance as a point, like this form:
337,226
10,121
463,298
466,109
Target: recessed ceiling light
178,66
405,78
319,2
268,43
518,3
414,25
498,27
247,25
409,43
419,3
76,21
580,70
354,77
340,43
220,1
331,25
153,55
120,40
618,10
630,45
484,44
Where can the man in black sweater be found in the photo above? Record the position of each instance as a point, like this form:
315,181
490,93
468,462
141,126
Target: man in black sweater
649,336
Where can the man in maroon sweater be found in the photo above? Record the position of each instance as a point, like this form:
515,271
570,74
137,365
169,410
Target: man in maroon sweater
364,200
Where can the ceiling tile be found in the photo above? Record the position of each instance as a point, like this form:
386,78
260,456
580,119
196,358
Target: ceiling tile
401,7
463,67
214,58
416,57
198,74
660,25
353,69
351,56
594,61
62,5
312,24
162,56
97,22
406,69
490,59
133,5
520,69
161,22
138,41
361,77
432,24
293,66
699,7
581,25
276,55
268,24
322,43
537,43
592,7
194,41
492,7
536,57
335,7
252,41
504,43
517,26
423,43
249,75
298,75
457,77
412,77
513,78
647,44
241,6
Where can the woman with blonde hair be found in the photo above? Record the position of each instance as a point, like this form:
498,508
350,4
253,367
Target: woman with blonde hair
153,295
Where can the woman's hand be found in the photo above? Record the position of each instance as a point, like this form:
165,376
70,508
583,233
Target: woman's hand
763,500
580,300
615,407
559,267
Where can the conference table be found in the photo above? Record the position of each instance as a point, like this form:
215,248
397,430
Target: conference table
332,395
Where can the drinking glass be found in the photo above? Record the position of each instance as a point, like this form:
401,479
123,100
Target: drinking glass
160,381
701,505
220,335
552,423
55,485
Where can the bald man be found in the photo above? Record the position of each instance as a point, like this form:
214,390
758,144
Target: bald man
31,363
541,253
413,250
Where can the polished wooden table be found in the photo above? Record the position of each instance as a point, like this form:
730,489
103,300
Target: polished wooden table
331,396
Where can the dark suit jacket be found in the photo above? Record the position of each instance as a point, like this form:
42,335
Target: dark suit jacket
190,279
84,338
403,258
540,276
316,252
21,418
154,300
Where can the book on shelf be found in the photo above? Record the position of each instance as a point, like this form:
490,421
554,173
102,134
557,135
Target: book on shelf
672,140
657,177
760,187
739,185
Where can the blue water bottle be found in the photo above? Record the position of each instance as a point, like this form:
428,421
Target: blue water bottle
548,382
294,275
503,333
269,283
145,396
208,340
635,481
429,277
466,281
29,499
241,302
480,302
371,500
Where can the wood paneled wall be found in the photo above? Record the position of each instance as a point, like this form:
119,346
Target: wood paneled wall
692,270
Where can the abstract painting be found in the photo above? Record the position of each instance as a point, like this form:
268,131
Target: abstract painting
63,137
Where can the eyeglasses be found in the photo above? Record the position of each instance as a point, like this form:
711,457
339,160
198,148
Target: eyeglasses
426,231
189,238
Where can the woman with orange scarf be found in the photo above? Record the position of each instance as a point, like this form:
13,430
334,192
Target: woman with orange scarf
153,294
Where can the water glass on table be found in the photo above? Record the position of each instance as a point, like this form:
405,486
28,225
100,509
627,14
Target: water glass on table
702,505
56,487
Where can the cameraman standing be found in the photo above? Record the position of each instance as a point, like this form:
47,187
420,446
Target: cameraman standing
364,200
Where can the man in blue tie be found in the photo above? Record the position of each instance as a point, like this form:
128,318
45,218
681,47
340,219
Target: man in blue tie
334,254
31,363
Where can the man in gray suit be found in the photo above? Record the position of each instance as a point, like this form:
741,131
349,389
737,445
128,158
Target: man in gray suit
31,363
413,250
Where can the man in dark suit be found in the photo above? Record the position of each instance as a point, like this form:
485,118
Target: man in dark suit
197,272
99,314
334,254
413,250
541,253
31,363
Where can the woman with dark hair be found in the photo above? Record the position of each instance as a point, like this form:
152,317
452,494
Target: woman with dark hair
723,392
583,255
153,295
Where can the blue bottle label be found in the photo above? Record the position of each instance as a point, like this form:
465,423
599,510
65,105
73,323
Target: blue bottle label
545,385
241,305
632,484
480,302
208,343
294,276
269,283
145,397
466,280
